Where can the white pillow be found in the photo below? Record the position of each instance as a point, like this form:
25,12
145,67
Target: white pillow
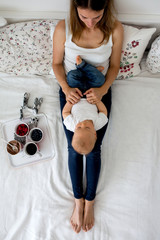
3,21
134,44
153,58
52,31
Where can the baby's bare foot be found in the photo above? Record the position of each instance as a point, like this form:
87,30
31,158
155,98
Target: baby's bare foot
78,60
100,68
88,219
77,216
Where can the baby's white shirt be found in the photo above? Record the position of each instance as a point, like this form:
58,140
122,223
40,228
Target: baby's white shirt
83,110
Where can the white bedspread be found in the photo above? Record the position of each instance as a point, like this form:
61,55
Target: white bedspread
36,201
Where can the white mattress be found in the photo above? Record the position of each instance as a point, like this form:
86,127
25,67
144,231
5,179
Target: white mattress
36,201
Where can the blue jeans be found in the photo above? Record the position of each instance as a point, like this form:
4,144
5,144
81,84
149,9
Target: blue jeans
85,76
93,159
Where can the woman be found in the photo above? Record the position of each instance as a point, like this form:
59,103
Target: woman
93,33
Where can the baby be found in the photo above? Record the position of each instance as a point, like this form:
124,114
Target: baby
83,118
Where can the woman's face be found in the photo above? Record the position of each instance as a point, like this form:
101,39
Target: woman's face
90,17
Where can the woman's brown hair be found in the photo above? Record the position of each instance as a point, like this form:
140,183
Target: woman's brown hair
106,24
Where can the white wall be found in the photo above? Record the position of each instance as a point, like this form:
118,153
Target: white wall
138,6
123,6
34,5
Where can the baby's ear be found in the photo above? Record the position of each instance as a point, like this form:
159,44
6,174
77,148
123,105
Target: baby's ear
95,135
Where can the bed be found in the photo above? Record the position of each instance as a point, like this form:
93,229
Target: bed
36,200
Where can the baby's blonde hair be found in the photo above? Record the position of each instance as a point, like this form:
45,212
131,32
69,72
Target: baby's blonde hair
82,145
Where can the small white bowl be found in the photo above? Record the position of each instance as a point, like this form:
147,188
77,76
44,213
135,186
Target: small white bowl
32,150
21,136
32,132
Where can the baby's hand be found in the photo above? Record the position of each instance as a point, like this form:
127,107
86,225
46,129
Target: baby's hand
93,95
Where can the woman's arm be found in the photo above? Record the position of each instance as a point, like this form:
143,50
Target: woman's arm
114,66
96,94
59,38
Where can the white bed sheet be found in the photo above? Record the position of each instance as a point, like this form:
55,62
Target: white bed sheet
36,201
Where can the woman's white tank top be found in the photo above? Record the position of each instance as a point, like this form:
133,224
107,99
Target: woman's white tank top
96,56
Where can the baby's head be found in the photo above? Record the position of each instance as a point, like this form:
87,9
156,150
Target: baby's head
84,137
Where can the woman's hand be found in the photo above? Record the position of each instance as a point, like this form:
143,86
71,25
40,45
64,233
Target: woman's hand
73,95
94,95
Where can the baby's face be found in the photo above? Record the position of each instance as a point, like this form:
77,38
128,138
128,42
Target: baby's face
86,127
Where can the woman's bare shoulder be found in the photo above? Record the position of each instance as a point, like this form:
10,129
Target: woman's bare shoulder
118,27
61,25
118,30
60,29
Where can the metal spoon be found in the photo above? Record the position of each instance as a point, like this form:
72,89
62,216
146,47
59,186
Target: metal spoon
14,148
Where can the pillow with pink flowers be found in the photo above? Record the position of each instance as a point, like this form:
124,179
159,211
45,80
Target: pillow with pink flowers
134,44
26,47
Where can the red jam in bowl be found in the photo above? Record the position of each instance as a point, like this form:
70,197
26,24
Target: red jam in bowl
22,129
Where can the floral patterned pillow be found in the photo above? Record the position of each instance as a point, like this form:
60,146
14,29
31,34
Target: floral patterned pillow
134,44
153,58
26,48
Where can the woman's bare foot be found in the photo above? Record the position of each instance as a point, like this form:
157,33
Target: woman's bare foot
88,218
78,60
77,216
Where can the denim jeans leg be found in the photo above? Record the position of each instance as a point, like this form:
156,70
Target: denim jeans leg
76,79
93,166
94,77
107,100
75,160
75,164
